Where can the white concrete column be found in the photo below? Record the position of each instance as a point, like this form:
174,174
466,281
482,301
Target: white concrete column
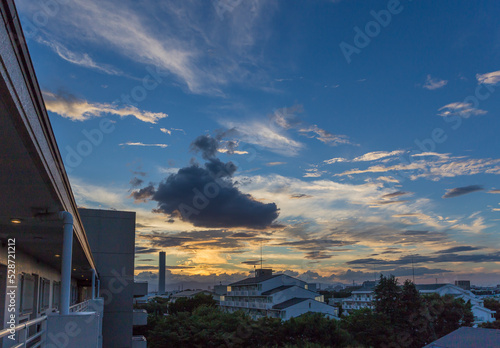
66,261
93,283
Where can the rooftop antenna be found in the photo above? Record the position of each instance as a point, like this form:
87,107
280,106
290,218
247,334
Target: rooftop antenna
260,254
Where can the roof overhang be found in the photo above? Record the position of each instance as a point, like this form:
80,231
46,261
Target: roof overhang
33,180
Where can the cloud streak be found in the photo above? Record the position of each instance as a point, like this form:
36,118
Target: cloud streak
76,109
130,143
81,59
459,191
434,83
491,78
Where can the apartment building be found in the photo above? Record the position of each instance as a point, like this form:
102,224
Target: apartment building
59,287
274,295
365,297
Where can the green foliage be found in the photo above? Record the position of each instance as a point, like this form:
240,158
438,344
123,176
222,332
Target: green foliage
210,327
156,305
367,327
185,304
402,318
387,298
494,305
417,320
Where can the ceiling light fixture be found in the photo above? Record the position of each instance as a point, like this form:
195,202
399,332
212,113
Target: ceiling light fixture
16,221
57,255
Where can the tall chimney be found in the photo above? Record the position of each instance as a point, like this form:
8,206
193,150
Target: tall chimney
161,278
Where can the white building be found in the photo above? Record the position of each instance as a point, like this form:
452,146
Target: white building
64,280
364,298
274,295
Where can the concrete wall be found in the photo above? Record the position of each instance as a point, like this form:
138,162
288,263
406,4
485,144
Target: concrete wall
292,292
308,306
281,280
111,236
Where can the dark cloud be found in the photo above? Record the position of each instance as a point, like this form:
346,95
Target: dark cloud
207,197
136,182
459,249
195,240
459,191
146,260
395,233
139,173
318,255
316,243
252,262
243,235
300,195
145,267
146,250
449,258
206,145
396,194
143,194
179,267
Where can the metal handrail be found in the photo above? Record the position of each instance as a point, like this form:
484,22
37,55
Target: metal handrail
25,326
79,307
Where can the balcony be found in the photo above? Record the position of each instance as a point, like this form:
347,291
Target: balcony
140,317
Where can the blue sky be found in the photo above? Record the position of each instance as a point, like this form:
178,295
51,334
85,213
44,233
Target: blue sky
360,134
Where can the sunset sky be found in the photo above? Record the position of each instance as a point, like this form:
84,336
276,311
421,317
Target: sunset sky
345,137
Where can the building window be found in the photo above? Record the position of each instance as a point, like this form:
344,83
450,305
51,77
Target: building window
27,293
56,294
44,295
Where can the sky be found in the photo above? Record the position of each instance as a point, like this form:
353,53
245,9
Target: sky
342,139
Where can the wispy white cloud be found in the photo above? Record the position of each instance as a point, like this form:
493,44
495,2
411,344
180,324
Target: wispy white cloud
324,136
435,169
81,59
376,155
266,135
434,83
130,143
166,131
176,37
80,110
368,157
313,173
335,160
235,152
464,110
287,118
491,78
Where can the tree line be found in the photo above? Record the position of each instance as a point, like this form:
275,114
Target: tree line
401,317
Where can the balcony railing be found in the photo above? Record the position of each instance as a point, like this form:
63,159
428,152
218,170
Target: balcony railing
22,333
245,304
79,307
